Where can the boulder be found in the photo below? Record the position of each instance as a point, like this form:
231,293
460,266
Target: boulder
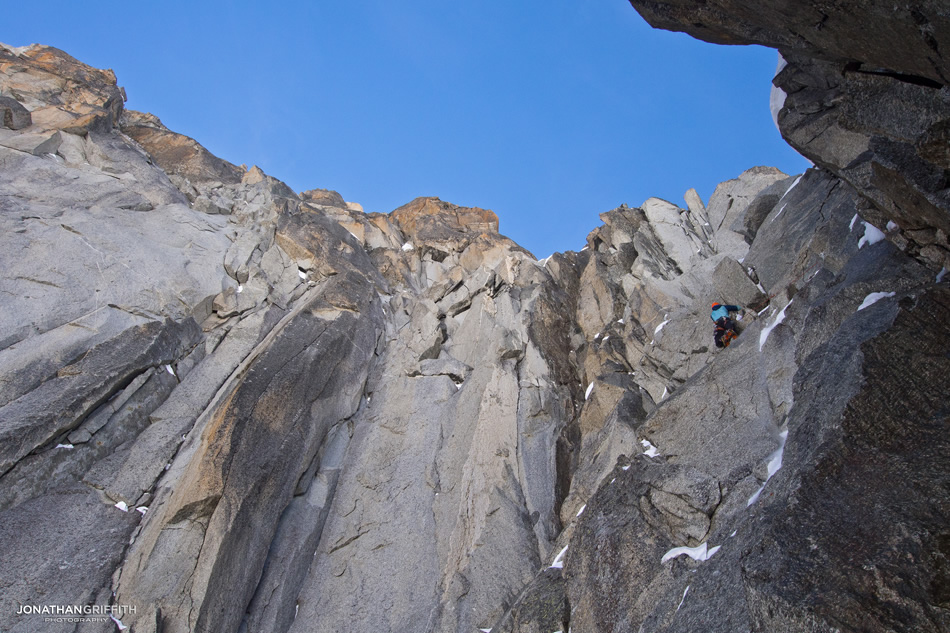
14,116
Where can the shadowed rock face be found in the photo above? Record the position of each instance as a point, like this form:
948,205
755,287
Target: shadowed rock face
864,94
237,408
910,39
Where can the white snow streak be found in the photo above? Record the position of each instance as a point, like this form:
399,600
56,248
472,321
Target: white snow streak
581,511
764,335
169,369
660,327
118,623
873,298
142,509
121,506
590,388
853,220
65,446
407,246
559,560
683,599
779,213
940,275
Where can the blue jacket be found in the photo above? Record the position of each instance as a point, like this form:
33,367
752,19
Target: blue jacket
722,311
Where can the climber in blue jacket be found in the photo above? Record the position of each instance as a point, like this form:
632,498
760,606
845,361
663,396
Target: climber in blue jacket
725,327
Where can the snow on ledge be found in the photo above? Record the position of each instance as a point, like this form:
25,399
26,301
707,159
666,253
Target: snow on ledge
872,235
559,560
408,246
651,450
590,388
873,298
700,553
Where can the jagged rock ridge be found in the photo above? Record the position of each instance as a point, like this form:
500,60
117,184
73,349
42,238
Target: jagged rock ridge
330,420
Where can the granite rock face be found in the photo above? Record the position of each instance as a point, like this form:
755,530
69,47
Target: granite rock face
234,407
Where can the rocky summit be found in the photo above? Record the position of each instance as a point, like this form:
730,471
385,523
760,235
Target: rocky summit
229,406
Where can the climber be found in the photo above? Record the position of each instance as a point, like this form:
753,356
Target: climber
725,327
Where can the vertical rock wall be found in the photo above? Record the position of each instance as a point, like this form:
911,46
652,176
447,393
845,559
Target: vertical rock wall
239,408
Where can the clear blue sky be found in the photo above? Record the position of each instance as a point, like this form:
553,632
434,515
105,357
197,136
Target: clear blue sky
548,112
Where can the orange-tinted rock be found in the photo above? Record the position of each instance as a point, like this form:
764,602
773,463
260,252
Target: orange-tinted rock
176,153
432,220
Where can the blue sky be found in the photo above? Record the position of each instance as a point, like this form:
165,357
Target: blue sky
548,112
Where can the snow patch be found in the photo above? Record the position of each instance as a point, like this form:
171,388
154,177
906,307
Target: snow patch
240,288
700,553
407,247
941,274
775,459
590,388
873,298
853,220
559,559
65,446
660,327
301,273
774,465
122,506
170,370
142,509
581,511
891,225
872,235
764,335
651,450
118,623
